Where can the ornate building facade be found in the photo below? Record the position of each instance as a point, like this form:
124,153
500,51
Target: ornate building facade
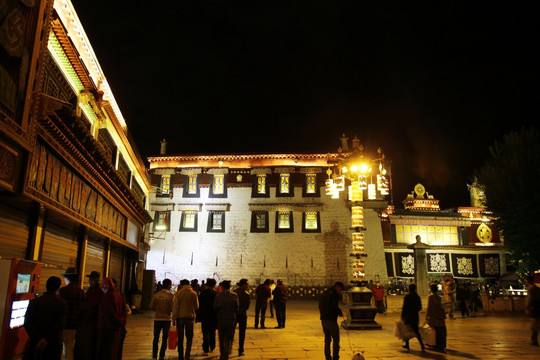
261,216
73,187
464,241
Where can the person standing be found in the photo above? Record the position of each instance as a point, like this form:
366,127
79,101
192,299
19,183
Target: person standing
448,295
207,315
226,306
329,310
435,316
162,304
44,323
110,321
73,295
185,306
241,314
462,296
409,313
378,295
532,306
262,293
271,300
280,302
86,341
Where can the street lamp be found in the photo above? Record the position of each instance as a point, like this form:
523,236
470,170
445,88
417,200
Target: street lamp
365,182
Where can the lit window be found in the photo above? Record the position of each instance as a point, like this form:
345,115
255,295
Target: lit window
161,221
311,188
311,222
284,221
311,183
188,222
284,183
191,186
216,221
165,184
261,184
217,186
259,221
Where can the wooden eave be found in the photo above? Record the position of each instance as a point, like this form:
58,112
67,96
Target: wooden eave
71,52
242,160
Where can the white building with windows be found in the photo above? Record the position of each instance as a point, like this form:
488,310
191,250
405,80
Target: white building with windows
255,216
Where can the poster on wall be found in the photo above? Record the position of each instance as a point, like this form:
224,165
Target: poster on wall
489,265
404,264
464,266
438,262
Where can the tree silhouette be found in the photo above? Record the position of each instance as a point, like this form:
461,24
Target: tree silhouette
510,178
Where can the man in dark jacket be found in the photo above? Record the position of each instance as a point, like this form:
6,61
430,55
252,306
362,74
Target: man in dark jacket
280,303
263,293
207,316
73,295
44,322
241,314
329,309
86,341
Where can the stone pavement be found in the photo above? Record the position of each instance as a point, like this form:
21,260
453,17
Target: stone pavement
493,336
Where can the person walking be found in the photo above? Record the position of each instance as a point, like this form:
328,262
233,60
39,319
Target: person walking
73,296
263,294
329,311
86,341
185,305
435,316
241,315
226,306
162,304
462,296
110,321
44,323
280,302
379,295
409,313
532,306
207,316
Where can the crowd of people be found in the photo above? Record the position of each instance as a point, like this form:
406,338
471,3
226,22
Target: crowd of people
468,297
217,308
67,321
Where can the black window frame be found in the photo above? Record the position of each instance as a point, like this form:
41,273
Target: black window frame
306,230
211,192
254,192
209,226
291,223
317,192
167,221
254,228
291,186
182,220
186,193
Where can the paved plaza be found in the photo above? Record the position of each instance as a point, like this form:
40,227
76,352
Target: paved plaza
493,336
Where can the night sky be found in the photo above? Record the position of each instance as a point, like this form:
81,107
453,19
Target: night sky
433,83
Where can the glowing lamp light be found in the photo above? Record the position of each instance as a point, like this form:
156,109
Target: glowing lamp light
354,168
364,168
372,192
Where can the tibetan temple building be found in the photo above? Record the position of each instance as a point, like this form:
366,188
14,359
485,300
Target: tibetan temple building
274,216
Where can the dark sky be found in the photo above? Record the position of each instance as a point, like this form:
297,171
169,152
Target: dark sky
433,83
